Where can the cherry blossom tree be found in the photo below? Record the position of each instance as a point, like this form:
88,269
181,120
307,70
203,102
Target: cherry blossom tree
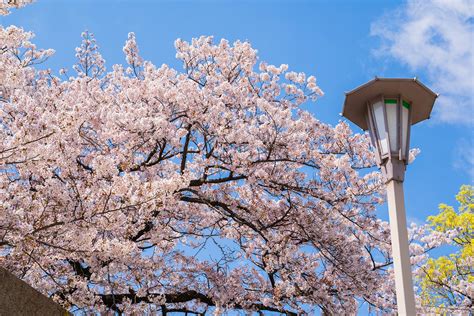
149,189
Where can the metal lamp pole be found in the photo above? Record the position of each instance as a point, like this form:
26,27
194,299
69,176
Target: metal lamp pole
387,107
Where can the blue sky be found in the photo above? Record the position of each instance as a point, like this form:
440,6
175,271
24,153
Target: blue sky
342,43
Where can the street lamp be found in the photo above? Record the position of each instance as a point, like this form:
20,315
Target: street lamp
387,107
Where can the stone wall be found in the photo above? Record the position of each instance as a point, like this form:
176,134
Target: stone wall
17,298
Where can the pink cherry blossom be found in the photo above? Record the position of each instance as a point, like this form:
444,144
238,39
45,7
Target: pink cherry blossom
206,188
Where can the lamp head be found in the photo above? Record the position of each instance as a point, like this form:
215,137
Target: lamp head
387,107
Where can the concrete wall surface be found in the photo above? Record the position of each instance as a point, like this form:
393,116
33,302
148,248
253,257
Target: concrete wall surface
17,298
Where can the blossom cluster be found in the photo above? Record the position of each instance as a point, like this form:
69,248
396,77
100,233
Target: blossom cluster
6,6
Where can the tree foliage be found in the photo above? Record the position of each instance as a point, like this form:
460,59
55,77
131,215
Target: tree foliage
448,281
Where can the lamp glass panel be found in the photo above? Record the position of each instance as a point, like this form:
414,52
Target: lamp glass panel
405,126
391,106
380,126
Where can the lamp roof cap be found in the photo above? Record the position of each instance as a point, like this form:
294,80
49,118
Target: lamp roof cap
412,90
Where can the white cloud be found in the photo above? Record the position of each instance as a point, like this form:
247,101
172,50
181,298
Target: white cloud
435,36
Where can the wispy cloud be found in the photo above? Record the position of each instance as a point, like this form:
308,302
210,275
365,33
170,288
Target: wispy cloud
464,156
437,37
415,220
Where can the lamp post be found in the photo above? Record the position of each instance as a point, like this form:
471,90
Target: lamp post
387,107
